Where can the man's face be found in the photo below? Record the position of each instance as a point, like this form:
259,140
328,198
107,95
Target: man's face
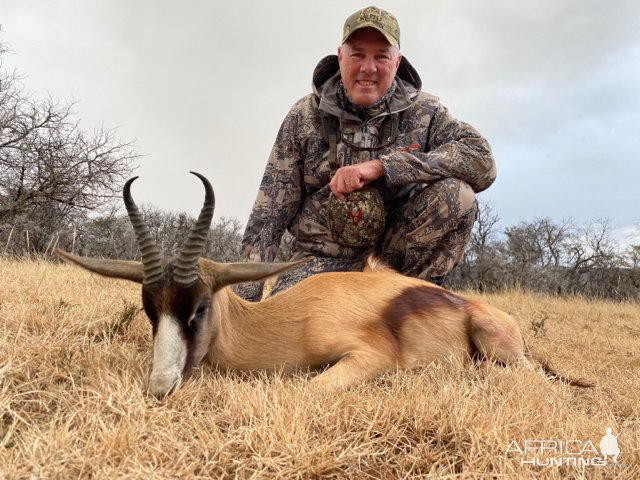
368,65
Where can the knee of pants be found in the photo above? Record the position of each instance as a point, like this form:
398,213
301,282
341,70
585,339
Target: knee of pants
451,195
460,190
466,197
430,213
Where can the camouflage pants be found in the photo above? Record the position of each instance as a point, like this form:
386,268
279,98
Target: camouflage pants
427,231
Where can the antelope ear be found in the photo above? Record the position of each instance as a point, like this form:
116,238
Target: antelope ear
229,273
109,268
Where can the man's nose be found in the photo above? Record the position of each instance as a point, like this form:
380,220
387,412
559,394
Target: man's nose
368,65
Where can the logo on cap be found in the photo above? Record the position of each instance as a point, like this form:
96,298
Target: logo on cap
376,18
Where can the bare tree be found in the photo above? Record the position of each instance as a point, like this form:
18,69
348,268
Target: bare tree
51,172
481,266
549,257
594,264
632,256
224,243
536,253
111,235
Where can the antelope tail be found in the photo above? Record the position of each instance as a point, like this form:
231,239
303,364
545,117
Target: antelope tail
552,374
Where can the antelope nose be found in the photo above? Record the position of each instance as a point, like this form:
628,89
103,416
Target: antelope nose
163,384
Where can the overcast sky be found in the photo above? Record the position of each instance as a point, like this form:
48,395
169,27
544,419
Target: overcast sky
203,85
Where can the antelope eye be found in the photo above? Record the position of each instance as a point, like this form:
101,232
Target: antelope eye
202,309
197,316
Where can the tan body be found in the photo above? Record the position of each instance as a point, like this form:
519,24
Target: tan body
359,323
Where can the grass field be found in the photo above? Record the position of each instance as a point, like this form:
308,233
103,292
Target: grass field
75,352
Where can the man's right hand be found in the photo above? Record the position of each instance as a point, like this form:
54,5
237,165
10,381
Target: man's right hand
353,177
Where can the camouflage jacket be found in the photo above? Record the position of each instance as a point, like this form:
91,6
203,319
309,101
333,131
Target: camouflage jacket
430,145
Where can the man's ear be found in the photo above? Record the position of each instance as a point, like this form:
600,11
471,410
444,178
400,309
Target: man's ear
398,61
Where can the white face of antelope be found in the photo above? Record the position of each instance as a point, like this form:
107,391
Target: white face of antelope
182,331
169,356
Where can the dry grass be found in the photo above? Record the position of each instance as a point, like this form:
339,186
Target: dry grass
74,355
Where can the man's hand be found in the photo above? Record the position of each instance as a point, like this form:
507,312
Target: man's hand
353,177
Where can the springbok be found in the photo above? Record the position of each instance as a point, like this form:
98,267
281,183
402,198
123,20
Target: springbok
357,323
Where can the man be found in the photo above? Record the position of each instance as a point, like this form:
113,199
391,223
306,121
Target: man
368,162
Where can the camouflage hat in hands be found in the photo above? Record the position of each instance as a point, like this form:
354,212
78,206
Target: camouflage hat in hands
373,17
358,220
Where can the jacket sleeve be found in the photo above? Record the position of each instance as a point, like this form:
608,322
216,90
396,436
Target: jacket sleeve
454,150
279,196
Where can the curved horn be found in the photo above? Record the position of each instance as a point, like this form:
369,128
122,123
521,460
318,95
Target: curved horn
186,269
151,256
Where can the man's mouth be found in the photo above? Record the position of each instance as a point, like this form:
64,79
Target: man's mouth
366,83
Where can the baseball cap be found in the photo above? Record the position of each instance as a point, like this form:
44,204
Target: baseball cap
373,17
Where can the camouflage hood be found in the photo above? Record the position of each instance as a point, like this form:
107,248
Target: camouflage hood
326,79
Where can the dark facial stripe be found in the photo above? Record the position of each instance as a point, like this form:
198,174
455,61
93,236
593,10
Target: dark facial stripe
189,333
184,303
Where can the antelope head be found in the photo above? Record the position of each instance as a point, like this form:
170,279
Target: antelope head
177,294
